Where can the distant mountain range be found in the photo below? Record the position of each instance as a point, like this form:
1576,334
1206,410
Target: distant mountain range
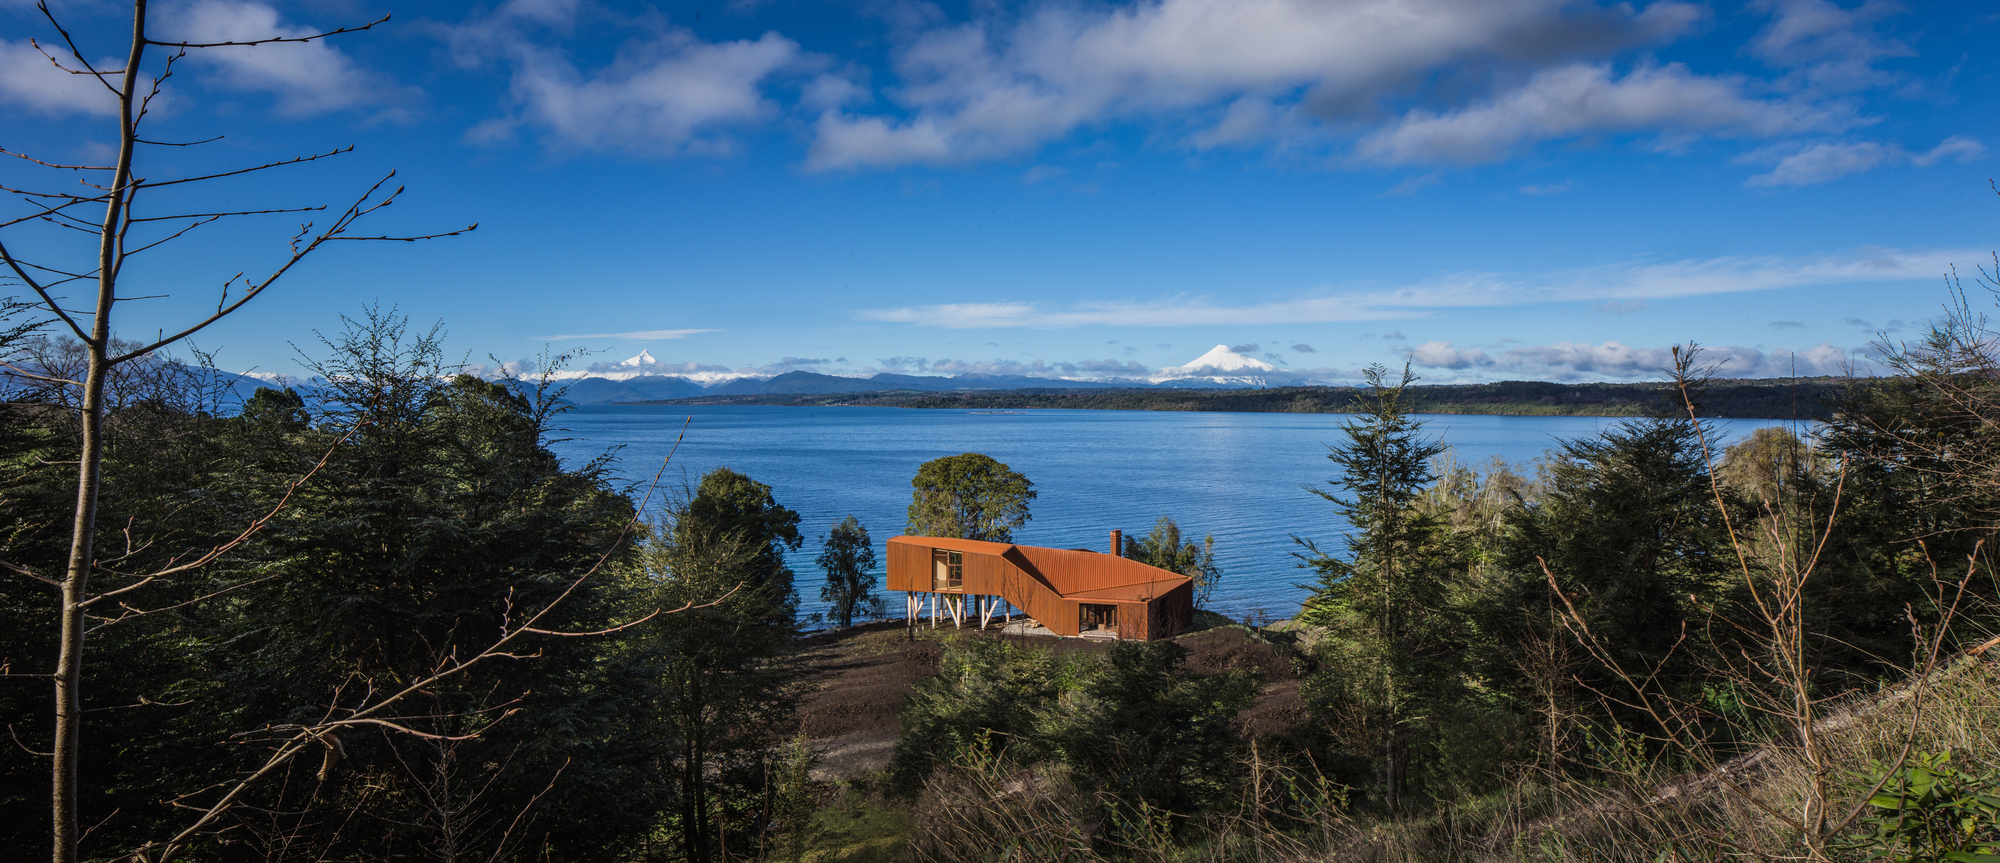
629,382
646,388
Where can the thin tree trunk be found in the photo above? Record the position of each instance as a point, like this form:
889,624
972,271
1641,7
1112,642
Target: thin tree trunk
64,785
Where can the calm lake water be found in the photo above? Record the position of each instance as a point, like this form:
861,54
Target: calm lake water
1235,475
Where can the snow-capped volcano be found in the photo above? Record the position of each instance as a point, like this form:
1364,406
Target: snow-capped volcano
1222,359
1222,366
644,359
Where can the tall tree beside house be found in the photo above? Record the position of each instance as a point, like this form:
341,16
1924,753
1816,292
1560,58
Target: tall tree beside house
848,558
969,496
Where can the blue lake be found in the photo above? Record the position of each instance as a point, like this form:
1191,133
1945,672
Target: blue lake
1235,475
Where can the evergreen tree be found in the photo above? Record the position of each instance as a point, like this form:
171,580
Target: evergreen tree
848,559
1394,631
1628,527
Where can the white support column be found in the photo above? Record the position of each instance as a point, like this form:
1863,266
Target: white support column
933,611
986,606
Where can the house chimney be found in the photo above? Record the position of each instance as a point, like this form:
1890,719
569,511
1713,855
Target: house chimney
1117,543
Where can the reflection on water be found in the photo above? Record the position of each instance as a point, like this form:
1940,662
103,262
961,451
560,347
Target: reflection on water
1238,476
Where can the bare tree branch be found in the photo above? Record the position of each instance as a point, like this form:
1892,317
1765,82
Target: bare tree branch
272,40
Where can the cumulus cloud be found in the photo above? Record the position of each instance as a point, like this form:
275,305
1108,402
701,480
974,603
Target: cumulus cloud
1249,348
666,92
1580,360
307,78
1616,289
28,80
1584,98
1824,162
1827,46
1781,325
1304,348
997,86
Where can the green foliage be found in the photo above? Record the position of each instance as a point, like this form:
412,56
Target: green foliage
968,496
438,512
985,699
794,803
1165,549
1627,526
848,559
730,505
713,677
1928,811
1395,630
1148,737
1148,734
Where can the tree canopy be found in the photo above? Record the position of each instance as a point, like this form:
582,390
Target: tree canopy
969,496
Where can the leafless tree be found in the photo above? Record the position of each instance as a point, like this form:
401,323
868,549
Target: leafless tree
125,213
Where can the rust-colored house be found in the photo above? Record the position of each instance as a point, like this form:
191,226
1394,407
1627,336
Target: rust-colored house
1068,591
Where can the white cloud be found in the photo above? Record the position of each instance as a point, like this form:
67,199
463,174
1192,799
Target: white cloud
1959,147
827,92
991,88
1617,289
27,79
307,78
1828,46
1584,98
666,93
636,335
1824,162
1579,360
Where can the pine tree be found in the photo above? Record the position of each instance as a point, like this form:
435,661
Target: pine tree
1387,600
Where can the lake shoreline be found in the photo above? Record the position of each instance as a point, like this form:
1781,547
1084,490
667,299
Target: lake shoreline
1801,399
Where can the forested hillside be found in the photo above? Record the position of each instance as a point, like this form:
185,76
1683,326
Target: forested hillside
1803,398
414,633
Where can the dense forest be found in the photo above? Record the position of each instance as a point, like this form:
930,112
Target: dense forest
377,619
1803,398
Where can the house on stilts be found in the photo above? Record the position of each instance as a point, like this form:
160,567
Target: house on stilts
1067,591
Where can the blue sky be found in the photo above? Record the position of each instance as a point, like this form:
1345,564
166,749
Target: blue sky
1491,189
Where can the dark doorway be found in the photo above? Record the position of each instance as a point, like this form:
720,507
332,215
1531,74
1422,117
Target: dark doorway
1096,617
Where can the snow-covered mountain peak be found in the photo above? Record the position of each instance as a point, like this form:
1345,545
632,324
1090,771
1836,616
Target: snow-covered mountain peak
1223,359
643,360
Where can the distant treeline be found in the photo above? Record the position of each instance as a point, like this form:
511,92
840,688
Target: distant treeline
1801,398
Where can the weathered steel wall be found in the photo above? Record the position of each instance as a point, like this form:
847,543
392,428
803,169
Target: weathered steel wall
909,567
1025,585
1132,620
1170,613
1036,579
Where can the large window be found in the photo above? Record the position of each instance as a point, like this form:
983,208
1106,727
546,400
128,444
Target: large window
947,569
1096,616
